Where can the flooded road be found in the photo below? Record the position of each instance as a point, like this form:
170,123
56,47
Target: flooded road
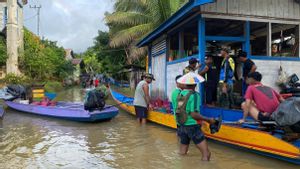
29,141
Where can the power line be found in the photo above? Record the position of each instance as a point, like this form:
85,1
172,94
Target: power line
38,8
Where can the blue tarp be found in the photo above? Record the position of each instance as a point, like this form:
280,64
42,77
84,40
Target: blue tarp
122,98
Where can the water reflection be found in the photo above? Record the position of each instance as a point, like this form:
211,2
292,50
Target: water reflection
28,141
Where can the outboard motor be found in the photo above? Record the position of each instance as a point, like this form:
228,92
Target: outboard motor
292,86
18,91
94,100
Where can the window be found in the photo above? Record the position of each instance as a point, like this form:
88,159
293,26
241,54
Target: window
191,40
184,44
258,38
174,47
285,40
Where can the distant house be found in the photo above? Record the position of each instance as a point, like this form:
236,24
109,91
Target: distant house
11,26
69,54
79,66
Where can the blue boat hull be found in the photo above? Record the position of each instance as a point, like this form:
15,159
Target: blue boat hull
66,110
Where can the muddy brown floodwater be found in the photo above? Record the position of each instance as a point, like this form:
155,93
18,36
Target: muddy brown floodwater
29,141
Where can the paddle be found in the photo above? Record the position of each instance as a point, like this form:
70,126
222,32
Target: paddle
250,122
1,111
116,104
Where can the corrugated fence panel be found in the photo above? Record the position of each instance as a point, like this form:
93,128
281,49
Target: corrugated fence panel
159,48
158,70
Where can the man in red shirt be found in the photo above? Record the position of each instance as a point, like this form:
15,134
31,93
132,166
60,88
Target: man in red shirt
261,101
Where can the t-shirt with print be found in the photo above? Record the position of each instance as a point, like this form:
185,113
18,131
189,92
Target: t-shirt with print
265,98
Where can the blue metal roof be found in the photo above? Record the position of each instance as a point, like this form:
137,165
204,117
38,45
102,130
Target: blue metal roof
172,20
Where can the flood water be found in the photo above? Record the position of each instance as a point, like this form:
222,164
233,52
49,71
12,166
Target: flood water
29,141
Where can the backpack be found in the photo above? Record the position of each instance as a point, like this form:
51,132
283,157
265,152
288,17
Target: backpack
181,114
94,99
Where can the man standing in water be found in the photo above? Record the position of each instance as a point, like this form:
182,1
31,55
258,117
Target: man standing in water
186,104
142,98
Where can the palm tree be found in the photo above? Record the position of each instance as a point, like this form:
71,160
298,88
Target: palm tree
134,19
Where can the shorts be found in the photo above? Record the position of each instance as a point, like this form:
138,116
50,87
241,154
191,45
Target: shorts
262,117
188,133
141,112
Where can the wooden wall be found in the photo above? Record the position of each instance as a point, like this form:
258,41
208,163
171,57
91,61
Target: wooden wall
284,9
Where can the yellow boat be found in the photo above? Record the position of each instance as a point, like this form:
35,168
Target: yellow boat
248,137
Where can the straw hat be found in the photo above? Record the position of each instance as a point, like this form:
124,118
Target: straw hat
191,79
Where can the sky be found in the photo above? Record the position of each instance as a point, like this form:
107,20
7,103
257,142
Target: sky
72,23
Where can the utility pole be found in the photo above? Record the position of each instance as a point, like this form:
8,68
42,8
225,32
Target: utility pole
38,17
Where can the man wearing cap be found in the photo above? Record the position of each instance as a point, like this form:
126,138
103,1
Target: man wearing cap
211,85
226,80
248,67
186,104
192,67
261,101
142,98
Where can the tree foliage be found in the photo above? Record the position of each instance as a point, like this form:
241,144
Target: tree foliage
43,59
3,53
101,58
134,19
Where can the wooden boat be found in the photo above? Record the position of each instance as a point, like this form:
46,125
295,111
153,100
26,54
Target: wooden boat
66,110
1,111
247,137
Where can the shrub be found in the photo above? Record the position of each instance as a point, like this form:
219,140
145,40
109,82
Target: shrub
11,78
53,86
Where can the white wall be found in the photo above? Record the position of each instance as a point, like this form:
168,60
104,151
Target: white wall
172,71
270,70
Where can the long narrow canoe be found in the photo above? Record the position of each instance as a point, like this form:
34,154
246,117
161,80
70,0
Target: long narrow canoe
66,110
1,111
246,137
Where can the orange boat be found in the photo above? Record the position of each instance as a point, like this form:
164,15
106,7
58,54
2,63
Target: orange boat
247,137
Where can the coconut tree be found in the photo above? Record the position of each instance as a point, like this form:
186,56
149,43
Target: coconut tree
133,20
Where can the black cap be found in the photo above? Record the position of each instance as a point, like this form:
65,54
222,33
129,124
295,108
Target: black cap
255,75
193,61
149,75
242,54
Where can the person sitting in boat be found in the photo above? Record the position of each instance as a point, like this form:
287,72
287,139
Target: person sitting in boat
261,101
187,111
193,66
142,98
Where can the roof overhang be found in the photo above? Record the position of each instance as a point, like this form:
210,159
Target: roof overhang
177,16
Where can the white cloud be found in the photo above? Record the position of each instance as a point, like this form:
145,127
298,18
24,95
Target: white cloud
73,23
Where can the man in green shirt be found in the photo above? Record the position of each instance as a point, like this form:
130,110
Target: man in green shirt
178,88
189,129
